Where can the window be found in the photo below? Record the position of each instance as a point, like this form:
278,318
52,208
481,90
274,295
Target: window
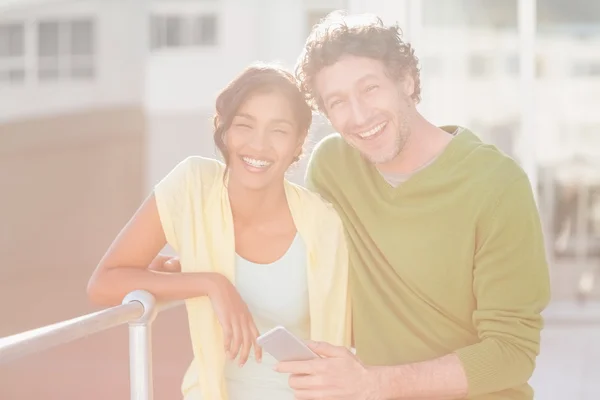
173,31
513,65
66,50
12,53
82,49
205,32
480,66
588,68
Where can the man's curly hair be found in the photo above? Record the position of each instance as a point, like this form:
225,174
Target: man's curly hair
364,35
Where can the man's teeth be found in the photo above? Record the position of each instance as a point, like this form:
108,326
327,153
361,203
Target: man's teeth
256,163
372,131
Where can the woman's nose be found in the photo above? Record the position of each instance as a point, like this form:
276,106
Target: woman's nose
259,139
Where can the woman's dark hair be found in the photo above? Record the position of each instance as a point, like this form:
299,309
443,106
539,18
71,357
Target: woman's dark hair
258,78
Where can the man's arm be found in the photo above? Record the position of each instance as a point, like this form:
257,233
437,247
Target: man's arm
339,374
511,286
440,379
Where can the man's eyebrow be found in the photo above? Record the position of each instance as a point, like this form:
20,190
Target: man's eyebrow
362,79
367,77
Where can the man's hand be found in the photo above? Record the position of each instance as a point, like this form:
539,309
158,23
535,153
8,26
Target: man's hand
339,374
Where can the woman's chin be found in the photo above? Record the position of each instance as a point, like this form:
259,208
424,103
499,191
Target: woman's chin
256,180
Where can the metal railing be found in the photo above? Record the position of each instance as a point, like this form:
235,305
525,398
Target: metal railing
138,309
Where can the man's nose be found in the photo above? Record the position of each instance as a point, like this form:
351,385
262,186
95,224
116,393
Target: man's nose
360,113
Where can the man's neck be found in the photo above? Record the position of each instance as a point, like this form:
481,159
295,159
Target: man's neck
425,142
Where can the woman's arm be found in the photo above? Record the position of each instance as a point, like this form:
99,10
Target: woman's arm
124,267
165,263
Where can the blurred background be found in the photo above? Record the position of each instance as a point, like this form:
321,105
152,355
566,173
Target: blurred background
99,99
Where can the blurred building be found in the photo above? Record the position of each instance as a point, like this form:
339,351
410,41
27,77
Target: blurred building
72,132
134,83
154,68
72,144
99,99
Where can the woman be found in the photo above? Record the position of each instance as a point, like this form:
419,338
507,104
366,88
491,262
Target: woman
255,250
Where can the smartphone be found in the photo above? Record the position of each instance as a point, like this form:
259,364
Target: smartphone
284,345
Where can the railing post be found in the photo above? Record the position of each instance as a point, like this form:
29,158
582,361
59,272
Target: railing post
140,347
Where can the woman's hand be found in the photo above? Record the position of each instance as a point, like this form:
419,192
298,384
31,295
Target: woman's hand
239,330
165,263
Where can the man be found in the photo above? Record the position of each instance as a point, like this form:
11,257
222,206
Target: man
448,269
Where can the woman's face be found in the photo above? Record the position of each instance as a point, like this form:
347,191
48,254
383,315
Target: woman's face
263,140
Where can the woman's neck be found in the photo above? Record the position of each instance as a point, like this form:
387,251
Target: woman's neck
250,206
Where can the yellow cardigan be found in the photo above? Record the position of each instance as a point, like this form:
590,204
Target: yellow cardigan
195,213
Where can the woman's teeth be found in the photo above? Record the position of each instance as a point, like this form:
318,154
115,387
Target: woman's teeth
372,131
253,162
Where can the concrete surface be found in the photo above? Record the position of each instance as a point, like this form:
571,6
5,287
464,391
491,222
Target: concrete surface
569,363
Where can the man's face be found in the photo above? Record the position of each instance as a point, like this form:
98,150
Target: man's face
371,110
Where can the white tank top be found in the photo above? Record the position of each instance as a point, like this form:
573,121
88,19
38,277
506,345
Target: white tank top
276,294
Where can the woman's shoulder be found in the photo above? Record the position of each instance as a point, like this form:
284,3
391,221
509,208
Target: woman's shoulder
315,207
198,170
193,174
202,165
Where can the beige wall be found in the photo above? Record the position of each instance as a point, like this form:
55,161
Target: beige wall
67,186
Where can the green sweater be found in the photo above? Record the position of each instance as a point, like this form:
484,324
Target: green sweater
451,260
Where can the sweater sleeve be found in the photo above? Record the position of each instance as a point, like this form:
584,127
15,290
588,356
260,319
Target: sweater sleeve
512,287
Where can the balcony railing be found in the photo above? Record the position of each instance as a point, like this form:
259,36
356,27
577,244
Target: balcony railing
139,309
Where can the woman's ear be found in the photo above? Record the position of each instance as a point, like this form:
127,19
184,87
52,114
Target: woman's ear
300,147
224,136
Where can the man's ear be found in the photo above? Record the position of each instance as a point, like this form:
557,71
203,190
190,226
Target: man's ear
407,85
